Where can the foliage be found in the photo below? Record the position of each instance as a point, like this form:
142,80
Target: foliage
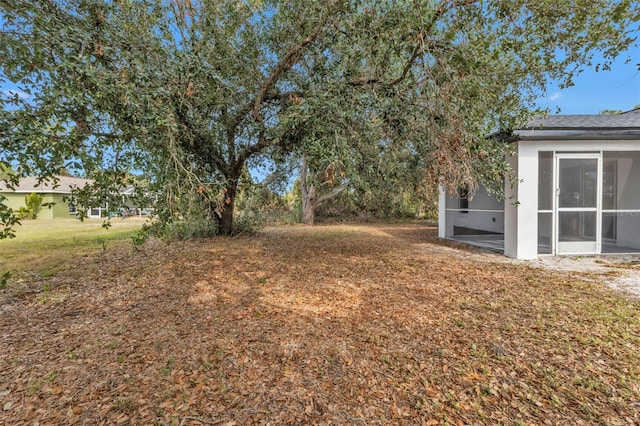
8,219
191,92
4,278
33,202
382,187
319,187
196,223
257,204
6,172
23,213
192,227
294,201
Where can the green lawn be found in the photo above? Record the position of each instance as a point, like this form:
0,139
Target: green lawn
42,244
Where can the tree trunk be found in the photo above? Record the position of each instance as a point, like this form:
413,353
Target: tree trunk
225,219
308,195
309,205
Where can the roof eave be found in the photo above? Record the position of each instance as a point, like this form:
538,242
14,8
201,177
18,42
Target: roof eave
579,134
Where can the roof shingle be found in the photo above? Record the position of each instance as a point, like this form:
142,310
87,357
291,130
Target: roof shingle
594,126
64,185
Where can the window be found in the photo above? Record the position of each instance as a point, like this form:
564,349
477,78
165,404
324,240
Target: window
73,208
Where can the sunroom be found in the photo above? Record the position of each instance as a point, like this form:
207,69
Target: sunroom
577,192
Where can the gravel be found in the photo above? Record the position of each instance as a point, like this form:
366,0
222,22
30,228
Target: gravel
619,272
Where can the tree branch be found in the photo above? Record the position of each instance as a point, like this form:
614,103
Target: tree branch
282,66
262,143
200,140
405,71
334,193
278,96
418,48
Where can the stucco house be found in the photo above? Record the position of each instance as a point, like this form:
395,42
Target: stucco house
50,193
577,192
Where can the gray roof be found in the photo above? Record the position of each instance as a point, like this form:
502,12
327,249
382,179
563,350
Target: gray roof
64,185
128,190
588,126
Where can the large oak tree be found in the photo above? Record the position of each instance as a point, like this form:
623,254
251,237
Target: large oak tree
189,92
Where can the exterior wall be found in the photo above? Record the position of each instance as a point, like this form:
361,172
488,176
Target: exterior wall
46,212
510,210
527,202
481,221
483,201
521,205
13,200
60,209
582,145
523,245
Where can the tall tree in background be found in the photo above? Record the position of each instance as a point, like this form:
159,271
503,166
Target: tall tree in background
319,189
375,159
189,92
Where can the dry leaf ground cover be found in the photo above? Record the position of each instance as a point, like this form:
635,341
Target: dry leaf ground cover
340,324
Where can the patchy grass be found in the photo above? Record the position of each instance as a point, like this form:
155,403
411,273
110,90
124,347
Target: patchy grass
341,324
43,245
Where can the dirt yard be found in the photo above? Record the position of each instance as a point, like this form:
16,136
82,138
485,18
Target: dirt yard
331,325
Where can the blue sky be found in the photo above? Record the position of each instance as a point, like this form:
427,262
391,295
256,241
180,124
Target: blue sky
617,89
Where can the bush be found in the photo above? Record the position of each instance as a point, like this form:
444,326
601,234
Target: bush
257,206
190,228
23,213
248,221
33,202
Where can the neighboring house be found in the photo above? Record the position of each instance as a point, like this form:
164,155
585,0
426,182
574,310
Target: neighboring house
577,192
59,195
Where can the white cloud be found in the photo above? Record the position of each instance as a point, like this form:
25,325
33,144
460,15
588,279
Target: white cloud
555,96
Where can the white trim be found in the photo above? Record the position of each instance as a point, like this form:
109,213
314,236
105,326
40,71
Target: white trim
442,213
474,210
582,146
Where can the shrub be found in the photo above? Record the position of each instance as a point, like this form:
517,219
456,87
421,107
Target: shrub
190,228
33,203
23,213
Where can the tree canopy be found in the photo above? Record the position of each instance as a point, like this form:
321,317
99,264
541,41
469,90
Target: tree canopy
189,93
